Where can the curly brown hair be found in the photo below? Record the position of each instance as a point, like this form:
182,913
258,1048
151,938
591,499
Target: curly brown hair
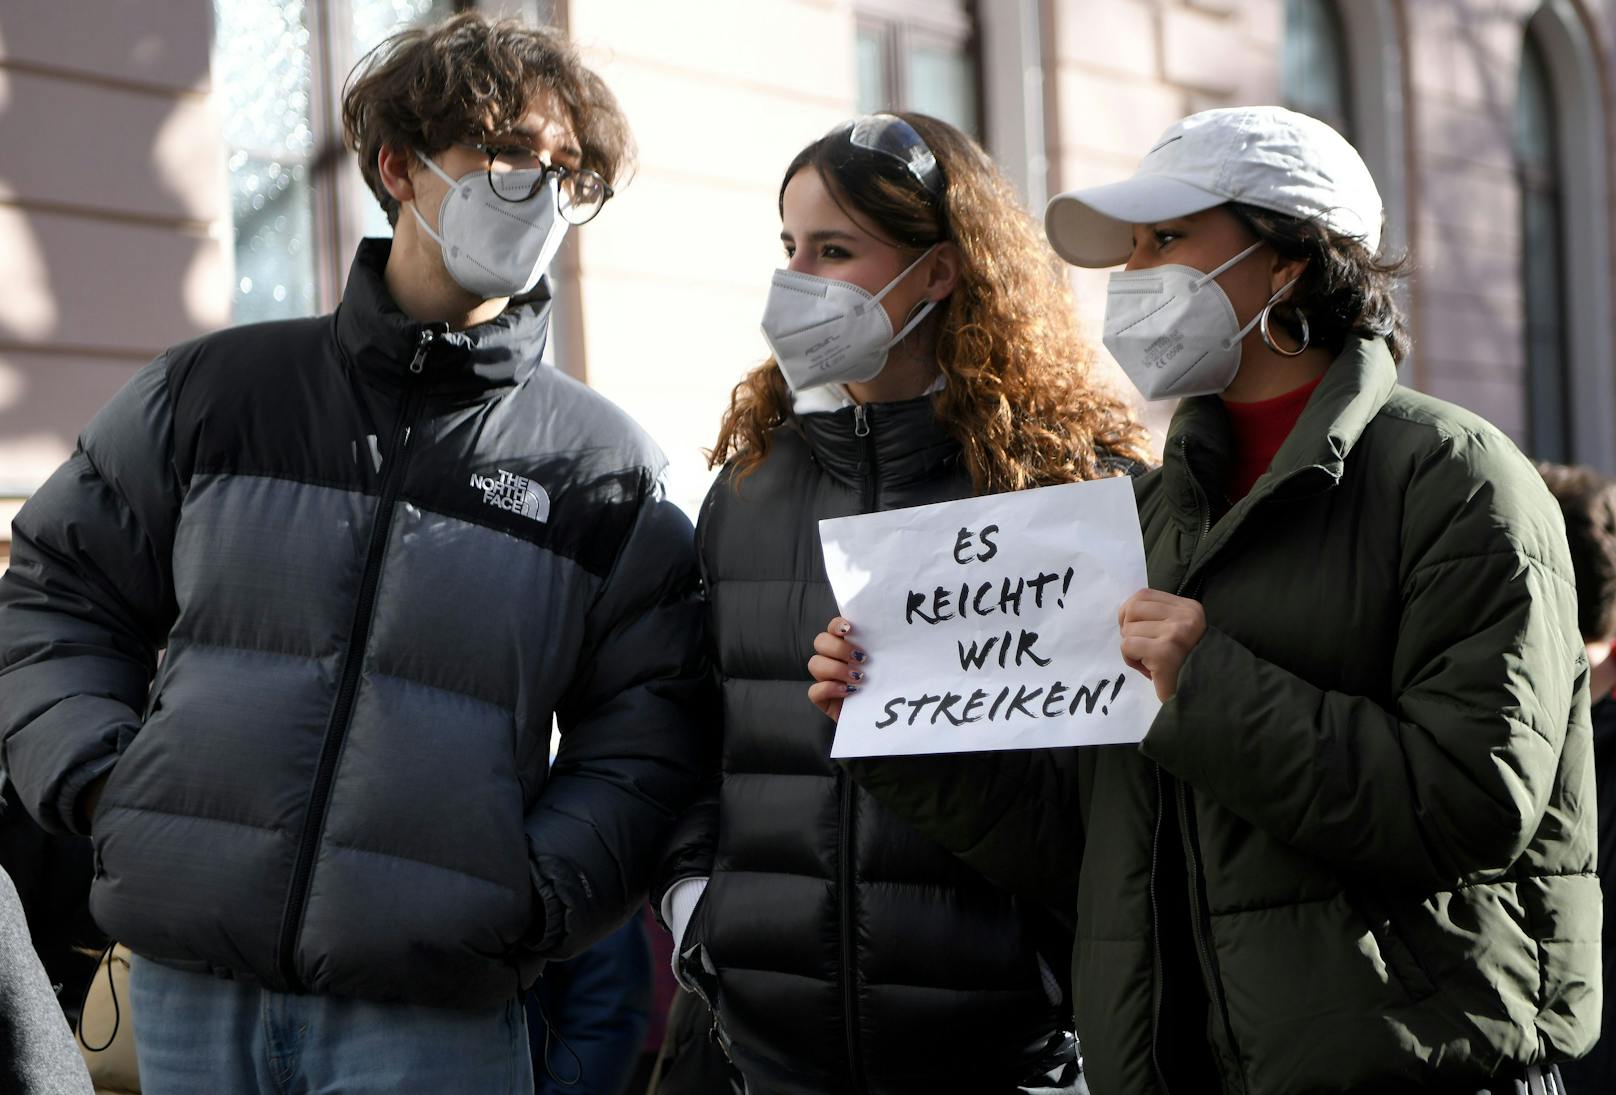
1020,398
430,86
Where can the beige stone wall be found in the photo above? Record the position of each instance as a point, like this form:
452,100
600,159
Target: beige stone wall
674,274
1467,234
111,198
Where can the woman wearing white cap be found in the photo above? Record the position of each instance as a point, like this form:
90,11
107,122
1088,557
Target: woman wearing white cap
923,349
1355,850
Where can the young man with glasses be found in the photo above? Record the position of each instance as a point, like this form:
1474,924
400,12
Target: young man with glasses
380,549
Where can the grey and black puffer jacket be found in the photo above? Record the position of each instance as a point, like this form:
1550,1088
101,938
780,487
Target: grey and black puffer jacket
852,954
380,555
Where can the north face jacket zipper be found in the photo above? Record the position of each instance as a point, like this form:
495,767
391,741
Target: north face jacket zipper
397,460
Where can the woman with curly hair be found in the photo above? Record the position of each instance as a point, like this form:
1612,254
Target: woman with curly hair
924,350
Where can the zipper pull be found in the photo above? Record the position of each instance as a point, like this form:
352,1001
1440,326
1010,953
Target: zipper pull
417,363
861,421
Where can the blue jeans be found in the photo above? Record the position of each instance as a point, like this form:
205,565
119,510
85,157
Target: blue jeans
195,1033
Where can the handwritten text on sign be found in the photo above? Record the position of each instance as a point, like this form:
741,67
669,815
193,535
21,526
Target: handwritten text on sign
992,622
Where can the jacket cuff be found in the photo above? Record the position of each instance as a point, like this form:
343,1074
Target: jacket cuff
1186,733
677,905
661,906
546,938
72,789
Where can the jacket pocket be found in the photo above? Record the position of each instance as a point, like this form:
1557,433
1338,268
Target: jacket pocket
1401,962
109,799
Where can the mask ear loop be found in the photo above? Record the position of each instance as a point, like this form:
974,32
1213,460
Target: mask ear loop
924,306
1261,320
1212,275
924,309
446,177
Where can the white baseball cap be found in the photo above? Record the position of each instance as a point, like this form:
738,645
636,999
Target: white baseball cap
1265,156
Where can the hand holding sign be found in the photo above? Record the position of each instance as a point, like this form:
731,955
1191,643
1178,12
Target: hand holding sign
995,622
1158,632
832,667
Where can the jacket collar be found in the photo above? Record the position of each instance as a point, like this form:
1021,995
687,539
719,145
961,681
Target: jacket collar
381,341
905,443
1312,459
1353,390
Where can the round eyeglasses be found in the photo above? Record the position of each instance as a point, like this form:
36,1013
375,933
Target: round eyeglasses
516,173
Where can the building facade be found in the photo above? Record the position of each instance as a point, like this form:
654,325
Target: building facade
168,167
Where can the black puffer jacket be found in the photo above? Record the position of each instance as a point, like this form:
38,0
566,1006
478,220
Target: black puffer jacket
380,555
852,954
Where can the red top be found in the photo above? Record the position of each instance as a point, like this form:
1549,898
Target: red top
1259,430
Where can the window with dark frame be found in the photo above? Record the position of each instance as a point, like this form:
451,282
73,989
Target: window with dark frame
1543,258
920,55
1315,76
297,206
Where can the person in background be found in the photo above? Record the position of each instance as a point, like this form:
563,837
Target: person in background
382,549
51,874
924,349
37,1055
1588,503
1355,850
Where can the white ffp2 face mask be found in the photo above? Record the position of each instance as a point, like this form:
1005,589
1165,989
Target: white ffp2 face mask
824,331
1173,330
494,248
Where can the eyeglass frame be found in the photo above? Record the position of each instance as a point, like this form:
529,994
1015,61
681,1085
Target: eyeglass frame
558,171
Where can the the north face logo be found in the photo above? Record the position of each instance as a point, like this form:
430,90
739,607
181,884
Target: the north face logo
515,493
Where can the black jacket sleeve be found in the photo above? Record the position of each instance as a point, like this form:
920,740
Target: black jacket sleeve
1013,816
88,601
629,761
693,842
690,847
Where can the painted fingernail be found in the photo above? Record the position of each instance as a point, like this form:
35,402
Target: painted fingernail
856,675
859,656
844,629
850,689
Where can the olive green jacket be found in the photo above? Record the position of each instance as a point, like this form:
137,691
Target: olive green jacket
1383,743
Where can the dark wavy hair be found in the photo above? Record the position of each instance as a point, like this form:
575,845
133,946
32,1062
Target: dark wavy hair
1344,291
428,87
1021,398
1588,501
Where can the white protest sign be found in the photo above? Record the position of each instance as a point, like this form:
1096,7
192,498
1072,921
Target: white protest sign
991,622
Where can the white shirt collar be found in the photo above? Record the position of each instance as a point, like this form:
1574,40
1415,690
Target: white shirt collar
827,398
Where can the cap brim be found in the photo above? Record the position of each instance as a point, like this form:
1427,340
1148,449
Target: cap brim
1094,227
